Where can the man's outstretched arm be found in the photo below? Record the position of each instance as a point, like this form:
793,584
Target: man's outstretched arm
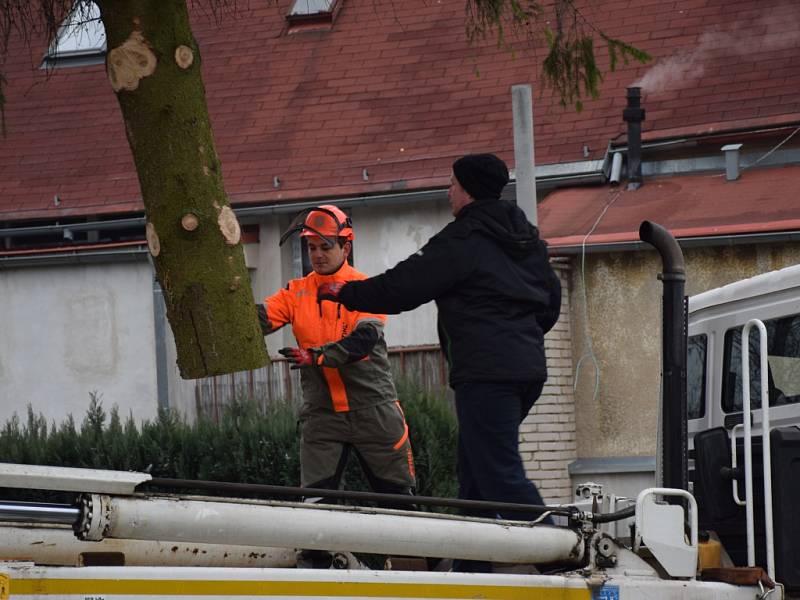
422,277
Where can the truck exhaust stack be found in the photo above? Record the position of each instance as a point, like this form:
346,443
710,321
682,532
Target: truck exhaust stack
674,463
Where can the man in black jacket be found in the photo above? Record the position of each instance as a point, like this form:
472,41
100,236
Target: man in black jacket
497,296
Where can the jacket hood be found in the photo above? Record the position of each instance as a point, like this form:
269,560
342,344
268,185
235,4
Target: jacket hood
505,223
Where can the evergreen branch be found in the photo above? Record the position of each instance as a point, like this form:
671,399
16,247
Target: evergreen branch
618,49
570,68
484,16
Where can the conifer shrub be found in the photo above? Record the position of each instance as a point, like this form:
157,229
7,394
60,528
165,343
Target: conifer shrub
249,444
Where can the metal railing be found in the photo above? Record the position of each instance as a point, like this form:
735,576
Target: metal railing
748,447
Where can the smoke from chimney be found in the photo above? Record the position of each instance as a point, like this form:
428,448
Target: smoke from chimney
777,31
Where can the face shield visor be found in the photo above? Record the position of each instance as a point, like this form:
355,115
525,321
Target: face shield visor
326,222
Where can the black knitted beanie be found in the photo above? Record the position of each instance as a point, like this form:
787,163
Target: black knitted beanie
483,176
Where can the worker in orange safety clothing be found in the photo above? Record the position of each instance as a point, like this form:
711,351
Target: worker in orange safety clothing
349,399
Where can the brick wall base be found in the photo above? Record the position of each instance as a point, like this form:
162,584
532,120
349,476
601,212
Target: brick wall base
547,436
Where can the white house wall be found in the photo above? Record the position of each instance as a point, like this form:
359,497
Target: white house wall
71,330
384,237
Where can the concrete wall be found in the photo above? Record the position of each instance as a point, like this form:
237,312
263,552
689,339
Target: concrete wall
384,237
71,330
620,326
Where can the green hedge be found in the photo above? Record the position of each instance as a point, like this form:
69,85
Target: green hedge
248,445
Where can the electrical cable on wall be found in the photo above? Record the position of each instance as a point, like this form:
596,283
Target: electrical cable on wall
786,139
589,351
763,156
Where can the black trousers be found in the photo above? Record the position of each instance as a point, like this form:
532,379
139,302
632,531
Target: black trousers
489,464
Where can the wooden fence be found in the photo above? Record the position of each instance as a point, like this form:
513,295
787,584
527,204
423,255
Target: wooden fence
422,366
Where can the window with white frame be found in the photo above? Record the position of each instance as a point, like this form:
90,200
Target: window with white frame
81,39
311,7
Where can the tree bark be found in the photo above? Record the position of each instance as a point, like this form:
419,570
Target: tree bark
153,64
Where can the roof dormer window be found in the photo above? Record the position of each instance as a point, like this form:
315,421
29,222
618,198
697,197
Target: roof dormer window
81,39
311,7
312,14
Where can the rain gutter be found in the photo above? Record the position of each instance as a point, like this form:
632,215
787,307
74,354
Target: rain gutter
547,177
707,241
11,232
74,257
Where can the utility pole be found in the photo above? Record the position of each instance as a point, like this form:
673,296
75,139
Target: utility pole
524,162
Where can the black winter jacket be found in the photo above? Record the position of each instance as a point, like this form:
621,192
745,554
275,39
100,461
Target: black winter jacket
496,292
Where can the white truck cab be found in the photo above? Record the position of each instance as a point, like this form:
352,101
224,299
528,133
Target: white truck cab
716,318
716,429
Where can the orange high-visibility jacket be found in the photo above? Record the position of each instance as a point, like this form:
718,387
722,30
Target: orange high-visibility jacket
320,325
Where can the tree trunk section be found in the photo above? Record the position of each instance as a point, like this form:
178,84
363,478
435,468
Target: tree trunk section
153,64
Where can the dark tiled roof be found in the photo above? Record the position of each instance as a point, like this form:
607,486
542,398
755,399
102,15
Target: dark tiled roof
394,88
761,201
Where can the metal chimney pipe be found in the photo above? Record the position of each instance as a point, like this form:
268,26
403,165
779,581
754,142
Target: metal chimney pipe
674,464
731,161
616,168
633,115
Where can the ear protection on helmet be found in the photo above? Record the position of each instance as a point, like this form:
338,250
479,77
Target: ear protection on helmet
327,222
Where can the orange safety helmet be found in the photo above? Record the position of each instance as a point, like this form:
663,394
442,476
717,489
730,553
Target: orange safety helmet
327,222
